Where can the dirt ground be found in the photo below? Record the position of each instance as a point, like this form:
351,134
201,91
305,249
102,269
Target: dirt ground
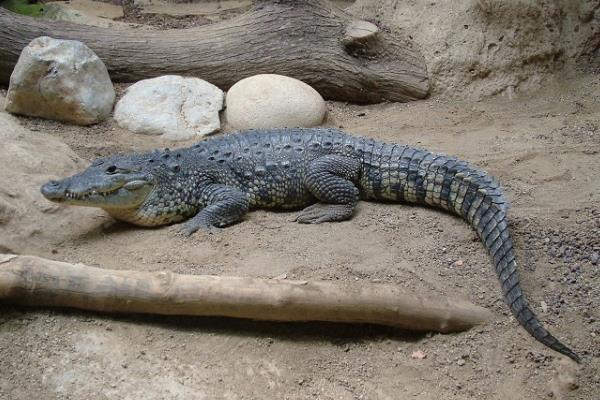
545,150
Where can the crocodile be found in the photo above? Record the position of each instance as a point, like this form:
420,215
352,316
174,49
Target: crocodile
215,182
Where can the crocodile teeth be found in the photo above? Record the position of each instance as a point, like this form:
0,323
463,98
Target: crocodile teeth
85,196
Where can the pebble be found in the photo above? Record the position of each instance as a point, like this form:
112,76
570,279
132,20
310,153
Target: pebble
418,355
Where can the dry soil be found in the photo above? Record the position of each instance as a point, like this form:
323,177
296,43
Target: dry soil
544,149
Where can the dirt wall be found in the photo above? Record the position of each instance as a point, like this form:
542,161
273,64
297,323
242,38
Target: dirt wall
478,48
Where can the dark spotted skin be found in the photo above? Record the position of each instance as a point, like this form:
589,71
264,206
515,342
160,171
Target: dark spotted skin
216,182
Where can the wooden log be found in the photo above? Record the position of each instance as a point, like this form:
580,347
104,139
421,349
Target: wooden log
28,280
310,40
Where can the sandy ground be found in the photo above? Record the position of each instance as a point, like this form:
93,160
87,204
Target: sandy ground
545,150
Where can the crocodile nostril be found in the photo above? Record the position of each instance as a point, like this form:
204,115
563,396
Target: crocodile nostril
53,189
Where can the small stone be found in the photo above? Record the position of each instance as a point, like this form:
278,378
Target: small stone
544,306
273,101
61,80
594,258
458,263
418,355
460,362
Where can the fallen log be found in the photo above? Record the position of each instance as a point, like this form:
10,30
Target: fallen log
310,40
34,281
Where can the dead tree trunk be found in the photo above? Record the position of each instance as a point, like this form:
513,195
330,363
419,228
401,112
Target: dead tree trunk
342,58
37,281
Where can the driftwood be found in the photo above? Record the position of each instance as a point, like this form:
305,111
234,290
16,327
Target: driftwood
28,280
340,57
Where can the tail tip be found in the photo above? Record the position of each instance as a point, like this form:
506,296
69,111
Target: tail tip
573,356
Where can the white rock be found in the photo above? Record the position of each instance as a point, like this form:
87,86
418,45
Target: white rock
62,80
273,101
173,106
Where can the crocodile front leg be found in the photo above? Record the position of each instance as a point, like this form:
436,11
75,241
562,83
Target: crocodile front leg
330,179
223,205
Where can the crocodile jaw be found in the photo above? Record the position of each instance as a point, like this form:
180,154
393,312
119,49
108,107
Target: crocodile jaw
117,195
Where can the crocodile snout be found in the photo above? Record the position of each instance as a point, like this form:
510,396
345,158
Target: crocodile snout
53,190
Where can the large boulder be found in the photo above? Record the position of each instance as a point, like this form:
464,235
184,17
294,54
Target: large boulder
62,80
273,101
172,106
27,160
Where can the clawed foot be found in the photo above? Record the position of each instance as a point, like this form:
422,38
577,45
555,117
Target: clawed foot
319,213
189,228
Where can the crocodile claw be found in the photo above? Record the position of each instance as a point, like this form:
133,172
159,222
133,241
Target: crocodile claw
189,228
319,213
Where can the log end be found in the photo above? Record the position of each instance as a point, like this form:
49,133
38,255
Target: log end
359,31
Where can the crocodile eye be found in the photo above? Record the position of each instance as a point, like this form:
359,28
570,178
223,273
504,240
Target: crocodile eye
111,170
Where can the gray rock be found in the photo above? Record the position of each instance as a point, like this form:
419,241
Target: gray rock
62,80
273,101
173,106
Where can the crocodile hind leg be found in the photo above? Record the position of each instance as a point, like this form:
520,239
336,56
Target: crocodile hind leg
330,179
223,205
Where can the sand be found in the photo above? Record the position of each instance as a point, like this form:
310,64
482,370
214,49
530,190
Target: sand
544,146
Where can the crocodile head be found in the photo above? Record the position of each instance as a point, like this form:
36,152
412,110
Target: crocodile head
118,182
144,189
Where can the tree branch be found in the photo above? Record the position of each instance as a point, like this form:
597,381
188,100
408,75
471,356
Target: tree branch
28,280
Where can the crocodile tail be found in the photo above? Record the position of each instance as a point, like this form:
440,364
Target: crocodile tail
403,173
487,214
